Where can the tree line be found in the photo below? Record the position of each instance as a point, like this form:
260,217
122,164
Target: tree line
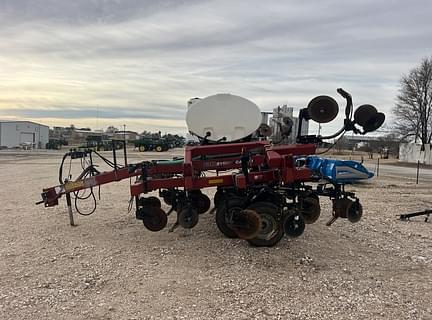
413,109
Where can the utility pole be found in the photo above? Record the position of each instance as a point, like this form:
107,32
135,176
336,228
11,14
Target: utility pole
124,144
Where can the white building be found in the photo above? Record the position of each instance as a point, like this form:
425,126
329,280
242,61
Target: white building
23,133
412,152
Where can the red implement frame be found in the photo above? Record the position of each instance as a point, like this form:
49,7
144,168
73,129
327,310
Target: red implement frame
265,164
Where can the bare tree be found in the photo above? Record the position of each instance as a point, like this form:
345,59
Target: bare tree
413,110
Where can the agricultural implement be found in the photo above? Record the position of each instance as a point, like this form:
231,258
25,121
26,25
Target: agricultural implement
263,190
407,216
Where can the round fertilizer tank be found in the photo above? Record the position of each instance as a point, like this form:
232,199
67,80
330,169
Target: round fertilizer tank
223,117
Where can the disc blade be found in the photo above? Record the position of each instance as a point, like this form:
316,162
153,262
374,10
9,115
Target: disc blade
247,224
374,122
152,202
354,212
340,207
201,202
363,114
155,219
310,209
323,109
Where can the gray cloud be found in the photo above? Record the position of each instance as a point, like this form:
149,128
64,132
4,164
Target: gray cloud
84,11
149,57
101,113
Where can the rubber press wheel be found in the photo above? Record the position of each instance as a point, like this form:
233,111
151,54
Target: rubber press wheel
218,198
142,148
188,217
159,148
271,231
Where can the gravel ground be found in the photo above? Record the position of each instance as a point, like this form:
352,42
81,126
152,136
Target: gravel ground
110,267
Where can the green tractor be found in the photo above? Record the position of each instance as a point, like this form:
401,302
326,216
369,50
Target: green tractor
174,141
151,144
100,143
55,143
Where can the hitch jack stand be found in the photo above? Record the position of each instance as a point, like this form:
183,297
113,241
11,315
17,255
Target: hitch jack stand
69,205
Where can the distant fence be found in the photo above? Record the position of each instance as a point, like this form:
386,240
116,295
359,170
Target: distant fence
412,152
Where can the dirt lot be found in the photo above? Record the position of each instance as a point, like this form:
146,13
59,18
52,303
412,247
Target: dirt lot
110,267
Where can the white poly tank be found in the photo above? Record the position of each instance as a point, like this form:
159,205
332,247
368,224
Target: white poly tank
223,117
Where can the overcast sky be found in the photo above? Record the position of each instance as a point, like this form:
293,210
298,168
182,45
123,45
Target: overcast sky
137,62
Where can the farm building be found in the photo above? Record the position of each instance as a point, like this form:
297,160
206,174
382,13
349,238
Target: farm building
127,135
413,152
23,133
